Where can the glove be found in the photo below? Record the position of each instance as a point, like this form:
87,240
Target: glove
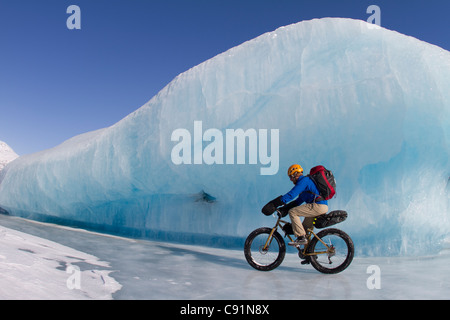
284,210
271,206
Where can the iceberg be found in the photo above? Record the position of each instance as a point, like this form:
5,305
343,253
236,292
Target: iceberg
368,103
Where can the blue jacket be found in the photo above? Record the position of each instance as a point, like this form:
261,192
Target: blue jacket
300,189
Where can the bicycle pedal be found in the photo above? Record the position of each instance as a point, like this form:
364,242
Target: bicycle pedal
306,261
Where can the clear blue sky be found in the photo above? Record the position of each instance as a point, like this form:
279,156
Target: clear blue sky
56,83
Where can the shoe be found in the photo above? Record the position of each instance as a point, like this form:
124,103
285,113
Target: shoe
299,241
306,261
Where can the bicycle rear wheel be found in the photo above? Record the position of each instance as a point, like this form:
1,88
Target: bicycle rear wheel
336,256
264,258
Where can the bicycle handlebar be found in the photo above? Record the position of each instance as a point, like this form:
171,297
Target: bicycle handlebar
278,212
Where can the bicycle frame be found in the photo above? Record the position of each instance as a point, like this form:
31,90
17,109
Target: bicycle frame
309,235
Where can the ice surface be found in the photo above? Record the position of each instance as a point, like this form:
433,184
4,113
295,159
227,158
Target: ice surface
151,270
370,104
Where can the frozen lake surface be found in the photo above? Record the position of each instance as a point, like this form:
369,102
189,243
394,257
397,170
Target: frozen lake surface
36,262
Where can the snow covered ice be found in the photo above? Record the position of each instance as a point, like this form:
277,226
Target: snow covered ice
140,269
370,104
6,155
37,268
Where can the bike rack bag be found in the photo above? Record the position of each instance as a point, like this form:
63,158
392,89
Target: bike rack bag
330,219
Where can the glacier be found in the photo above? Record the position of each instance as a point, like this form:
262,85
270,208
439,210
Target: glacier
369,103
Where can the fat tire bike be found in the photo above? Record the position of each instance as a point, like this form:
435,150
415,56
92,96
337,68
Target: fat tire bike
329,251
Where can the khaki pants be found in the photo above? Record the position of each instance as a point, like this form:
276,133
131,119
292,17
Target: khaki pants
309,211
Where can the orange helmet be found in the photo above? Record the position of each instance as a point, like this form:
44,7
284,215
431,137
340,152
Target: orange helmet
294,168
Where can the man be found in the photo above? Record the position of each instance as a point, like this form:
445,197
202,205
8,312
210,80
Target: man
305,191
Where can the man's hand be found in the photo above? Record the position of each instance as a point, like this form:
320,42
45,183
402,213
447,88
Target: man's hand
284,210
271,206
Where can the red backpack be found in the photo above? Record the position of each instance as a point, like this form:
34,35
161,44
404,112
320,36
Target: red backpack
324,181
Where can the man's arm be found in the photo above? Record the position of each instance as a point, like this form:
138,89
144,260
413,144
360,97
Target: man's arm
295,192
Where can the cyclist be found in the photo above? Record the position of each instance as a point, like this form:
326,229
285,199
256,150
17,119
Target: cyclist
305,191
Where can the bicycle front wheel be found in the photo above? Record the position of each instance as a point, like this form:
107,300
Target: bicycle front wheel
334,254
262,253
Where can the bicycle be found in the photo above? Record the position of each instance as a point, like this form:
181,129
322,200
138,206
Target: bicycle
329,251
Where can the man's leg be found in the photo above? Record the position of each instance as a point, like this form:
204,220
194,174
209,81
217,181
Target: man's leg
309,210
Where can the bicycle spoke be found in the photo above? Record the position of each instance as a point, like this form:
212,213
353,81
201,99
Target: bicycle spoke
333,252
264,249
262,254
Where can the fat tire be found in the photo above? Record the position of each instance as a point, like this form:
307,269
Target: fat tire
281,253
350,246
